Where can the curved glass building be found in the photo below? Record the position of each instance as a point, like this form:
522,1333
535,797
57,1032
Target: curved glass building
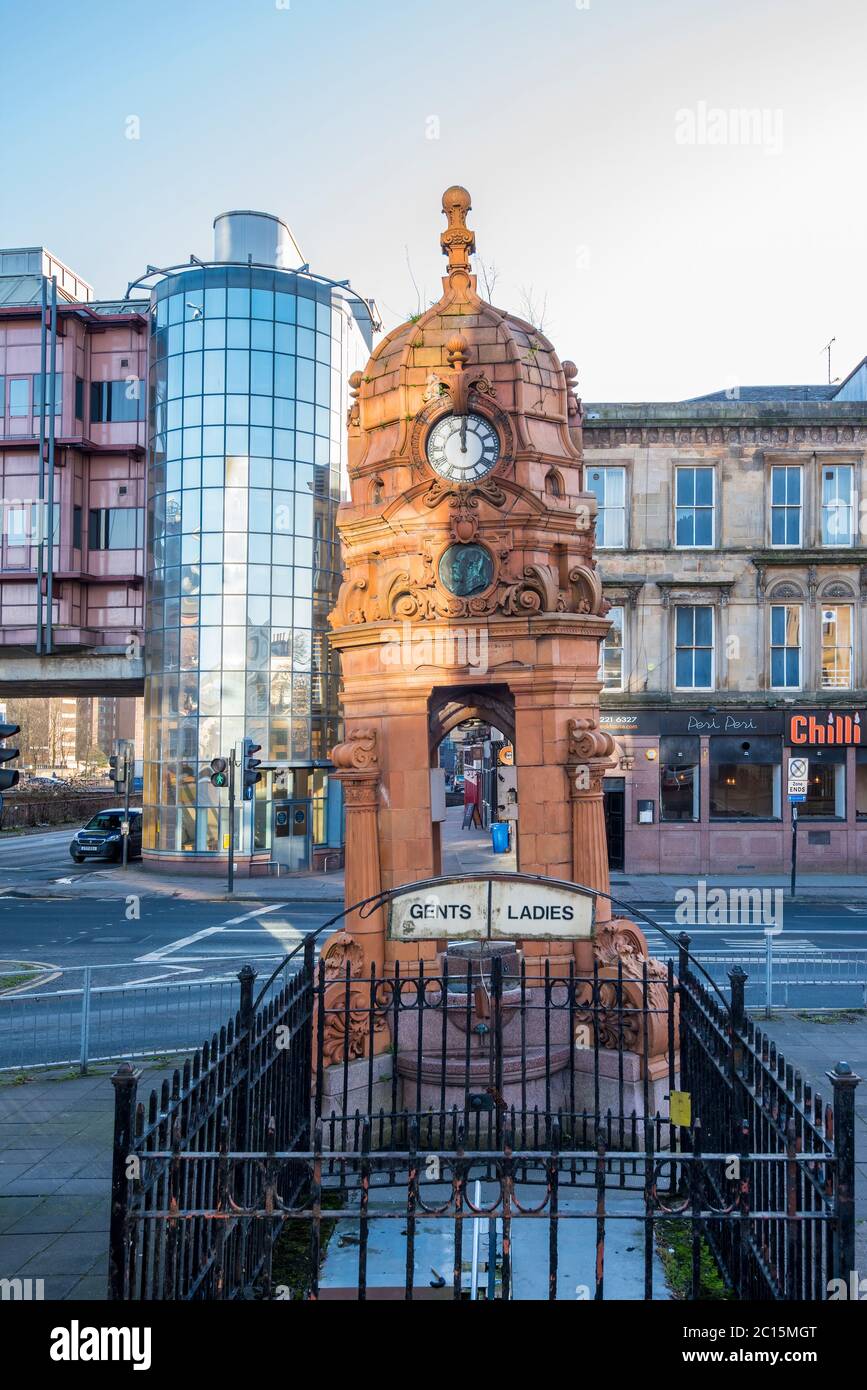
246,466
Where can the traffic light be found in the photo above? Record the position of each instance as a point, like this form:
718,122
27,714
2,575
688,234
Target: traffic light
219,772
117,764
8,778
251,776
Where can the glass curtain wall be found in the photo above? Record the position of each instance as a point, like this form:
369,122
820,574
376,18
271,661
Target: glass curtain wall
246,462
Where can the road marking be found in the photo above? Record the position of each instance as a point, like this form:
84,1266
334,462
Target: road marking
259,912
170,970
176,945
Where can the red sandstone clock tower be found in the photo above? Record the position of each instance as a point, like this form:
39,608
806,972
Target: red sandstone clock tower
470,589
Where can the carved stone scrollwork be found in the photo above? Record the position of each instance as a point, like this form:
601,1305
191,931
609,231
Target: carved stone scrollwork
359,753
353,415
589,590
573,401
587,740
621,953
341,953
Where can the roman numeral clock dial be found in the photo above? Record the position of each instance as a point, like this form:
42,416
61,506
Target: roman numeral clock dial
463,448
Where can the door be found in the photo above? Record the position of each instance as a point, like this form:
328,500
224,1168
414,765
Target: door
291,839
613,790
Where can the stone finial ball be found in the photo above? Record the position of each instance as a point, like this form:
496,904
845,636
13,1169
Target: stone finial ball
456,197
570,371
355,380
457,343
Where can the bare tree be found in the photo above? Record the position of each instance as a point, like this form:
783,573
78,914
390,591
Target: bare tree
489,275
418,296
32,717
534,310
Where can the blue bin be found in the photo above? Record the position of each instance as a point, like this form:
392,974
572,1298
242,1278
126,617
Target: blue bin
500,837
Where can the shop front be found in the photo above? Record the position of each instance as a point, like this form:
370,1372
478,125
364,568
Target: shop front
704,791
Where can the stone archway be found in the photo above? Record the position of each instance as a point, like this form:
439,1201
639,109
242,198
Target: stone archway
451,706
454,705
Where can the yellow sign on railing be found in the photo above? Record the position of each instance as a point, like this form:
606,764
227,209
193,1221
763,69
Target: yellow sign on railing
680,1108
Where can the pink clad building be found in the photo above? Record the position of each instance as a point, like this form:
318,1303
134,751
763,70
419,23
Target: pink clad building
81,596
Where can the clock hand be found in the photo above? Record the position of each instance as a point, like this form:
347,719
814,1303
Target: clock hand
464,419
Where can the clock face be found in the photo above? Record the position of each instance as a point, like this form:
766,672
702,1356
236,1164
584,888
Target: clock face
463,448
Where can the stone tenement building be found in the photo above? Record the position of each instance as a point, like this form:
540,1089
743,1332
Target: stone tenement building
732,545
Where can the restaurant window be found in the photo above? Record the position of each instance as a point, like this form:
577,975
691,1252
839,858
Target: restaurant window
679,762
861,783
837,505
786,646
826,784
785,506
694,507
608,486
693,657
611,653
837,626
745,777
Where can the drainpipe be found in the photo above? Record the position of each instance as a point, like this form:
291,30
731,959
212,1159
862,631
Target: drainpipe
49,620
40,554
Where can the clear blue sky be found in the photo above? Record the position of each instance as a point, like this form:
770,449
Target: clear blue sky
669,268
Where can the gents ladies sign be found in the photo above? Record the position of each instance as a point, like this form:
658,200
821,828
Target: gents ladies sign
503,907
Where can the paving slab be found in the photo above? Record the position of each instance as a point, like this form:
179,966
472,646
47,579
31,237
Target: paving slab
55,1180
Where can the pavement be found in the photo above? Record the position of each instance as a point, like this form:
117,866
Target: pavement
55,1165
55,1181
809,887
813,1047
38,865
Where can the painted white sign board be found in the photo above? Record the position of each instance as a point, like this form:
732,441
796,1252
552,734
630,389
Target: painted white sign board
518,908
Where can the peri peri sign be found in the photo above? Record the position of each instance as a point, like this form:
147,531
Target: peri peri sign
506,907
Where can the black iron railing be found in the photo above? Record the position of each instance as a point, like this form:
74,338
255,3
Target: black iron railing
546,1095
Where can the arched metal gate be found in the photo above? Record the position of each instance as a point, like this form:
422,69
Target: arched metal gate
483,1133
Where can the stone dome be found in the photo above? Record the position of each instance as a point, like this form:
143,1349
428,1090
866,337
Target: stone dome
500,355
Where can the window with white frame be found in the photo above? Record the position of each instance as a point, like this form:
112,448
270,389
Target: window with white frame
786,526
693,507
838,504
693,647
611,653
608,486
837,646
786,646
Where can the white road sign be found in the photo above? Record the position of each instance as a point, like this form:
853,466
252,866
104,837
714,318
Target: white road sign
798,772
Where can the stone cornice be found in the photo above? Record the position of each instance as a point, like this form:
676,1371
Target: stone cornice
622,432
792,559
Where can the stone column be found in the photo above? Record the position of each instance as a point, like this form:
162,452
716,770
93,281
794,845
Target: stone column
356,765
589,842
590,750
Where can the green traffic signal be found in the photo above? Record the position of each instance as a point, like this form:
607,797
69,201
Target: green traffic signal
219,772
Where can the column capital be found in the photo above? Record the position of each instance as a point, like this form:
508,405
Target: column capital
359,752
360,789
585,778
